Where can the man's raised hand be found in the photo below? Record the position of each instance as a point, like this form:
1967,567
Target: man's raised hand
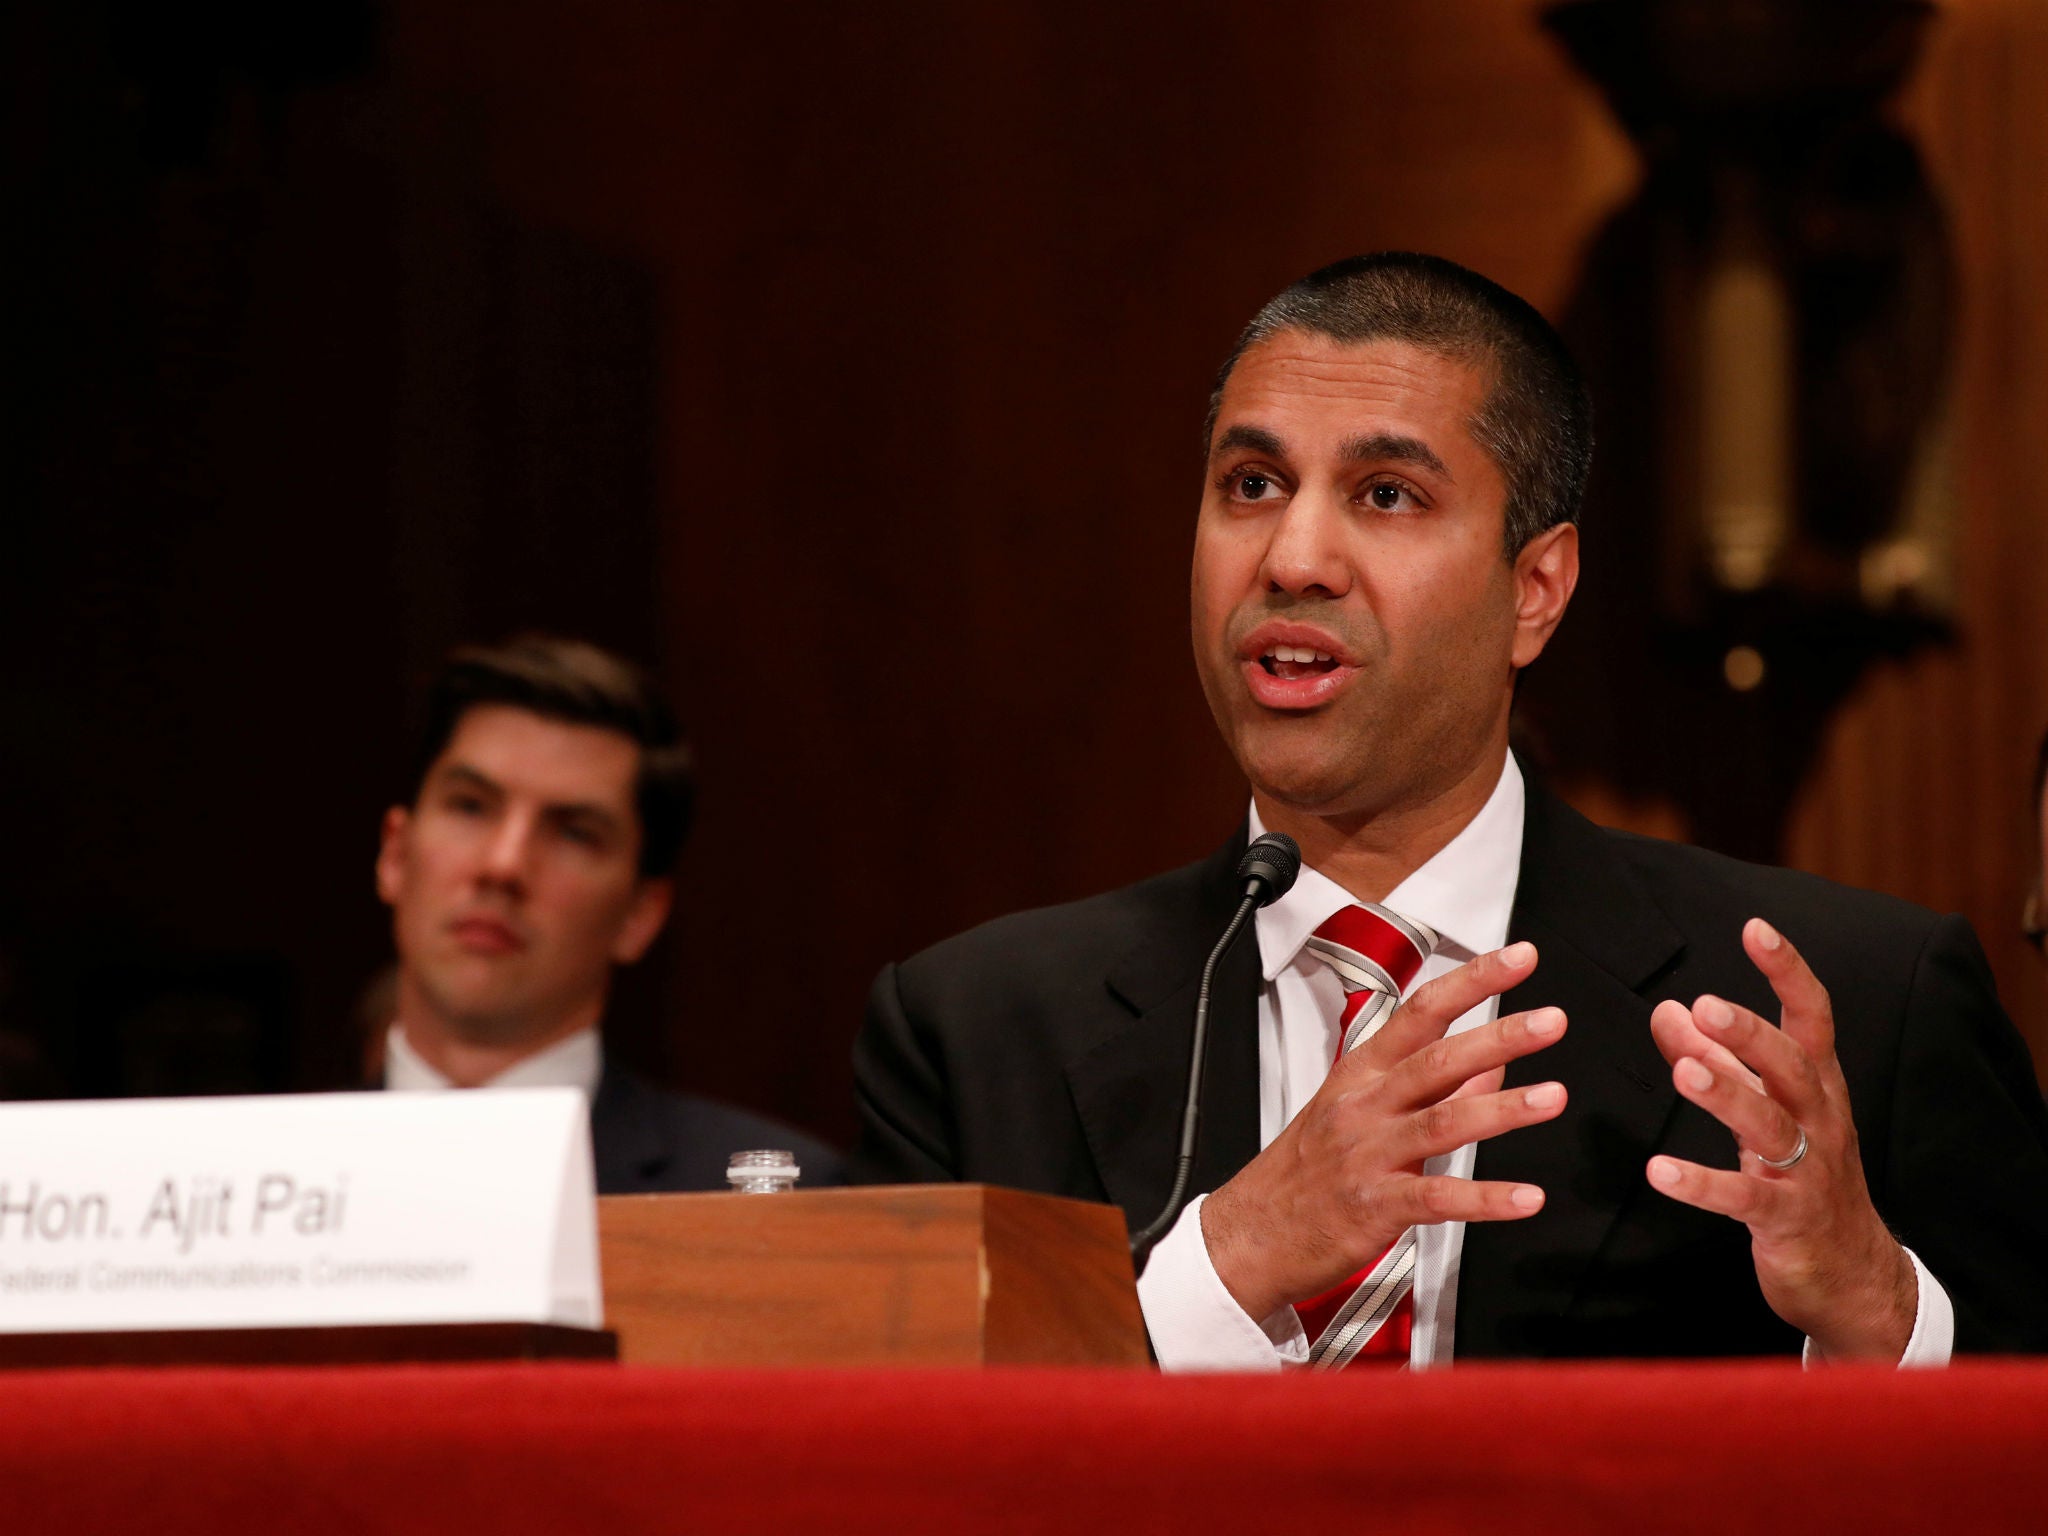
1344,1178
1825,1261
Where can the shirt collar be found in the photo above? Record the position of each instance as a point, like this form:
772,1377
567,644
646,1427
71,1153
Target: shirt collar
1465,891
574,1062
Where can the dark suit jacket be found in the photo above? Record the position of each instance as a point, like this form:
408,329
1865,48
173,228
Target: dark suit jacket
1048,1051
647,1141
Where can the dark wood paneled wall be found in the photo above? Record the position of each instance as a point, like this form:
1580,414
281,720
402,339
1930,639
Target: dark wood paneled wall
1924,787
920,304
945,287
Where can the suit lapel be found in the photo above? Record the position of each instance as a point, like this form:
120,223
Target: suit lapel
628,1151
1601,942
1128,1087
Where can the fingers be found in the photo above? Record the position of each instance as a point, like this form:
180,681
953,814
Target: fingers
1762,1082
1712,1189
1485,1082
1783,1067
1809,1017
1440,1003
1677,1036
1441,1066
1419,1200
1761,1126
1449,1125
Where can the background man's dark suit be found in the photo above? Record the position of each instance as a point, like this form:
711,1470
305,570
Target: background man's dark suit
1048,1051
646,1140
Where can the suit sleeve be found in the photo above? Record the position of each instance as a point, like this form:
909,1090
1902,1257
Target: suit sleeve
1966,1174
906,1121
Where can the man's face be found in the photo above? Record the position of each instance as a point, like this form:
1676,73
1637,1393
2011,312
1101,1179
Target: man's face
1356,625
513,881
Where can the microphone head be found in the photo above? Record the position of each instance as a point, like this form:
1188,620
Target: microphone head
1269,866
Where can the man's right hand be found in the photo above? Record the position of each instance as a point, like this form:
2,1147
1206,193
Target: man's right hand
1344,1179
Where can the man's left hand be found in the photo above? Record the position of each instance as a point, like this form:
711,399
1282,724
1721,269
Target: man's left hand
1824,1258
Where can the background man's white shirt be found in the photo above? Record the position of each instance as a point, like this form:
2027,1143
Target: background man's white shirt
576,1061
1466,892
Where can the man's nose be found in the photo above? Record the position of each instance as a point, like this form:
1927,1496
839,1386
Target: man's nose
1306,554
508,851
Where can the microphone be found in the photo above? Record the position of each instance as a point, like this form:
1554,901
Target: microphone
1267,869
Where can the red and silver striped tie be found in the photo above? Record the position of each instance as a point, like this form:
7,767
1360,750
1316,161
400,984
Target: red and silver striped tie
1377,954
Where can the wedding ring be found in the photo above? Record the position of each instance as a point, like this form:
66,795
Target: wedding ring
1782,1163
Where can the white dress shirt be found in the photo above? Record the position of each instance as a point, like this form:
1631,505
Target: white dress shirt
1466,892
576,1061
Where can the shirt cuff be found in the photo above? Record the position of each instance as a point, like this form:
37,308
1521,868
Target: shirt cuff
1195,1323
1933,1340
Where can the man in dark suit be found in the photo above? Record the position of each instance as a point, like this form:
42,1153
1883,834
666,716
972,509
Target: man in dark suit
1579,1134
553,795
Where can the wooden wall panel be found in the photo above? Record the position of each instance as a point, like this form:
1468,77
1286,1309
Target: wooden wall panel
932,295
1923,787
943,288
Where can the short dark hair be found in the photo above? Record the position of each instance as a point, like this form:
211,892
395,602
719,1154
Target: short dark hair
577,682
1536,423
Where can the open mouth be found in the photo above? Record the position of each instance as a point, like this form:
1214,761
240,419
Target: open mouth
1291,663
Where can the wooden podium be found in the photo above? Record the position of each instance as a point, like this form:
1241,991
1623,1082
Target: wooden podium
928,1274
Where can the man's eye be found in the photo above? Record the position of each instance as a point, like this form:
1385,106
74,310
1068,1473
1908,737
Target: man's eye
588,837
465,805
1391,496
1252,486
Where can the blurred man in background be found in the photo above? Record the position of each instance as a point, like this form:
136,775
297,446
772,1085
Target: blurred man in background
552,796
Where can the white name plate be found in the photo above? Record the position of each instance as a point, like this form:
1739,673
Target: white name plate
298,1210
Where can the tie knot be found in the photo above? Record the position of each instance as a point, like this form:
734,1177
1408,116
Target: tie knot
1370,946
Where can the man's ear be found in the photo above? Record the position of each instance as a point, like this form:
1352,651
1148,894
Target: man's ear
652,898
1546,571
392,848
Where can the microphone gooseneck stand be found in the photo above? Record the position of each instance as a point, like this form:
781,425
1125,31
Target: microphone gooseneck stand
1268,870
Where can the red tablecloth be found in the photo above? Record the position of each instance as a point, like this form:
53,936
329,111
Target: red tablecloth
461,1451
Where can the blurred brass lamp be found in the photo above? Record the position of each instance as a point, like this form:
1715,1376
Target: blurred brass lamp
1766,325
